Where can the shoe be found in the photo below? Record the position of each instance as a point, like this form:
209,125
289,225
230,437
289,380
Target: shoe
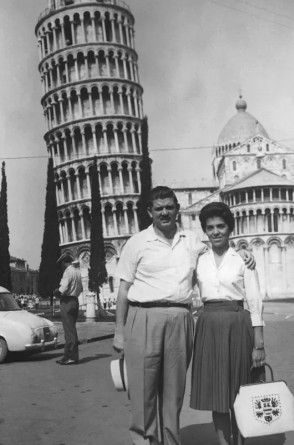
67,362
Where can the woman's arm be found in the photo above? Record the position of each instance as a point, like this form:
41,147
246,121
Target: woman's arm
255,306
258,353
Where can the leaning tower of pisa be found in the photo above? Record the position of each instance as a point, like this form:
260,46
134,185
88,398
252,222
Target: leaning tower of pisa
92,103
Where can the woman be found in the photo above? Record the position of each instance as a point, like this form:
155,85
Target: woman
228,339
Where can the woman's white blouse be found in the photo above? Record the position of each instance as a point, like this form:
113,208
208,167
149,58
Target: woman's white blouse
232,280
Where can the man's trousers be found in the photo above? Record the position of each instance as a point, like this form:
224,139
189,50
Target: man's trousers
157,347
69,309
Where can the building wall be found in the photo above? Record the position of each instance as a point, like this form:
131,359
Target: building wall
23,279
256,153
264,214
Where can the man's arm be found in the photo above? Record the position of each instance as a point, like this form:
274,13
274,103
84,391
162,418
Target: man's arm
248,258
121,315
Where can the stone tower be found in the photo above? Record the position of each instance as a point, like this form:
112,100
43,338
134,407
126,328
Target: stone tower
92,102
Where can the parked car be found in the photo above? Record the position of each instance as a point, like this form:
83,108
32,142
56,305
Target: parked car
21,330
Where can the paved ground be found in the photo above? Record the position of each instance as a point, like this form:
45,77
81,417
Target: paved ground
46,404
93,331
279,336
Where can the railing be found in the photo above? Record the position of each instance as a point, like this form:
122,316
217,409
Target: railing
61,5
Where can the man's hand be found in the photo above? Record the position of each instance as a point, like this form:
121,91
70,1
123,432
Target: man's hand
248,258
203,248
118,341
57,293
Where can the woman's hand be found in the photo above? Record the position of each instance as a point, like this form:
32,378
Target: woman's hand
258,357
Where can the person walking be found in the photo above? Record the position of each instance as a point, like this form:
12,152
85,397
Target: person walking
69,290
228,339
154,325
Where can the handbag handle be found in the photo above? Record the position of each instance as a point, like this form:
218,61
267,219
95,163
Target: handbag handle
269,367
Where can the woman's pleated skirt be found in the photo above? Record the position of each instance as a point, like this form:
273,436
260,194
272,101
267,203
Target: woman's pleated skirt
222,355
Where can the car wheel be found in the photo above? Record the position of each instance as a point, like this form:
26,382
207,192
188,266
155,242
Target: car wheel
3,350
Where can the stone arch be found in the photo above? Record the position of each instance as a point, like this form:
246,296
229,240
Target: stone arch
242,244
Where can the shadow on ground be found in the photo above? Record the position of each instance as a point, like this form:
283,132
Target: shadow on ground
205,435
41,357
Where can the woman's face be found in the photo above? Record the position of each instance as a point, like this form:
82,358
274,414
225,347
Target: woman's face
218,232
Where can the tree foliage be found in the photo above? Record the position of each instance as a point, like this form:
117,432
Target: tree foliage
146,179
49,274
97,270
5,274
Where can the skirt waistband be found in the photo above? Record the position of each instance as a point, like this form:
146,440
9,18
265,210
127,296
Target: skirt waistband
158,304
223,305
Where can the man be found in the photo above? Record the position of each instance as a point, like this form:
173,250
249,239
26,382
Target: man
154,325
69,289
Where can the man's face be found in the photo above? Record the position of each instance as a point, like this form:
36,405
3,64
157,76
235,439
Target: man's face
164,213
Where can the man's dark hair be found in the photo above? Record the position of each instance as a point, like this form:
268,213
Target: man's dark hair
161,192
219,209
67,259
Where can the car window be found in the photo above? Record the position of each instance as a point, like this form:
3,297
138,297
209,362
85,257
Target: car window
8,303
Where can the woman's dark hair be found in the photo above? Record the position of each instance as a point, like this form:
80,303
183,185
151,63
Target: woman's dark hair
219,209
161,192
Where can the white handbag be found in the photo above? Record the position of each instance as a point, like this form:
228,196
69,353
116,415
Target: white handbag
264,408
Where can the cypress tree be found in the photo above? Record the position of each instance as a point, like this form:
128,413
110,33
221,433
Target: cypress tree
5,275
49,274
97,270
146,179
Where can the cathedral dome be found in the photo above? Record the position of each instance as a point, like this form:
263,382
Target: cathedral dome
240,127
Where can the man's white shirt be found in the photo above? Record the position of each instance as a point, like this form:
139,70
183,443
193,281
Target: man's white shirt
159,271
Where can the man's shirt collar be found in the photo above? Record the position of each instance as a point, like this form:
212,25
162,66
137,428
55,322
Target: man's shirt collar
152,235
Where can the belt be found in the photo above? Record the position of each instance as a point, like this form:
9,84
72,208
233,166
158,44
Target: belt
159,304
67,296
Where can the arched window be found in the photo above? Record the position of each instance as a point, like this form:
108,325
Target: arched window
234,165
284,164
258,163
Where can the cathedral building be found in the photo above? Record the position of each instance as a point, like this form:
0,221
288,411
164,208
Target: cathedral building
255,177
92,103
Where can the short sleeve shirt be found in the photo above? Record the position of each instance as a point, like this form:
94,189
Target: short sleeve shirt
71,282
159,271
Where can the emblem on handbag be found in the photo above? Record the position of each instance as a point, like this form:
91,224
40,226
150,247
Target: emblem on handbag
264,408
267,408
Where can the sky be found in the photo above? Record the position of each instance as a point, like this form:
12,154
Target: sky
195,56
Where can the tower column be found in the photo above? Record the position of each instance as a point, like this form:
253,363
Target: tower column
78,186
84,142
121,180
110,180
69,188
138,178
131,179
126,220
136,219
83,226
116,140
